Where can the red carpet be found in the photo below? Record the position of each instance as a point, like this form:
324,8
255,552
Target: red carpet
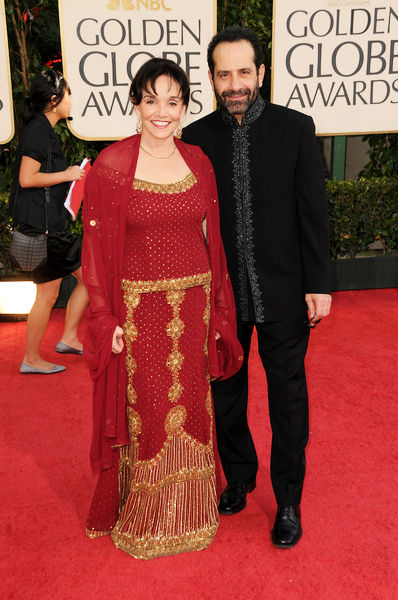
349,547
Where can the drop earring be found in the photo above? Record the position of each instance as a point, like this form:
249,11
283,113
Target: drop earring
178,131
138,127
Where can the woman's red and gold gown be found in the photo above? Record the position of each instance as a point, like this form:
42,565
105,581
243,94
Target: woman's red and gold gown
165,477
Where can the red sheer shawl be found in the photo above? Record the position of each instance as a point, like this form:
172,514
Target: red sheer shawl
107,191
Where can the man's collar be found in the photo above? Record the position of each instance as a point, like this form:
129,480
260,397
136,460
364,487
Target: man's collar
252,113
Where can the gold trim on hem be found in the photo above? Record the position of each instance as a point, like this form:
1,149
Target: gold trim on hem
147,547
177,187
92,534
171,506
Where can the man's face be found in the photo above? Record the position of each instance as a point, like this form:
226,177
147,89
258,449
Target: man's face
236,82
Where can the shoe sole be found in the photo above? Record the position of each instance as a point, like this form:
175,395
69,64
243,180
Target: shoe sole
42,372
232,512
286,546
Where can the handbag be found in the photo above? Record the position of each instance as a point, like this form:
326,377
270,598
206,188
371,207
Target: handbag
27,253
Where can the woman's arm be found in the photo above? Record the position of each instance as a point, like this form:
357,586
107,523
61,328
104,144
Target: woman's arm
30,176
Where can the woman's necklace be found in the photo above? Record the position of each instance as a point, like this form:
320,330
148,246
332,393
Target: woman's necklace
160,157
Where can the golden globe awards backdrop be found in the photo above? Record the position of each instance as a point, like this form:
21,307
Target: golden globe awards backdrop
6,110
337,60
104,42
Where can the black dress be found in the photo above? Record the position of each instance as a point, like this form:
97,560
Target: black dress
63,248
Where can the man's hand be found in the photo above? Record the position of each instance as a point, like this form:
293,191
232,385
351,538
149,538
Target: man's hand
318,306
117,340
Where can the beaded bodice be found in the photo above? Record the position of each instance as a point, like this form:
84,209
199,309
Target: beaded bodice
164,230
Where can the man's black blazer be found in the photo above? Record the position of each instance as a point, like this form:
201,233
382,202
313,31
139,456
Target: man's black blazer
290,230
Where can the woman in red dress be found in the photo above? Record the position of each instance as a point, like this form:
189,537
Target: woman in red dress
161,325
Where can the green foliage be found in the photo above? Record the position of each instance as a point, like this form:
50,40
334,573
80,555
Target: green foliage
74,148
7,154
362,212
76,227
255,14
383,154
5,263
42,39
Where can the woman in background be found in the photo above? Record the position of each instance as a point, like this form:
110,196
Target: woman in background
159,297
48,102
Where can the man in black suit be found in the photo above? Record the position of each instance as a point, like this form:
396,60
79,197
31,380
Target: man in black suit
274,224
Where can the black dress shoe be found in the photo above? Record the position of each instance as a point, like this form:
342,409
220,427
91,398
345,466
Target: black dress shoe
287,527
233,498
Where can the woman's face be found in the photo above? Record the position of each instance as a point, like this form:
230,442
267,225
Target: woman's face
63,108
161,112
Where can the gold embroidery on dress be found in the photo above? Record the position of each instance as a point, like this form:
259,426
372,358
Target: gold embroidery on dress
178,483
174,330
125,474
134,423
163,285
175,419
166,188
209,406
209,398
175,489
206,315
91,533
131,300
153,474
165,545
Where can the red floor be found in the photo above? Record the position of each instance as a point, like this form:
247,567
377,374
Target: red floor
349,547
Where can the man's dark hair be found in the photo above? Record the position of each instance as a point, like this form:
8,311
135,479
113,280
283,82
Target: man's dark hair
147,74
235,34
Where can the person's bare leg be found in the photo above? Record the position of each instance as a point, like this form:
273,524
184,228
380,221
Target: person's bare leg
77,304
46,295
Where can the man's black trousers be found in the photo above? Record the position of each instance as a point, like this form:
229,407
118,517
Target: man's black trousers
282,347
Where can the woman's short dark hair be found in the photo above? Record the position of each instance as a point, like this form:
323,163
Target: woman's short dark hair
235,34
147,74
43,88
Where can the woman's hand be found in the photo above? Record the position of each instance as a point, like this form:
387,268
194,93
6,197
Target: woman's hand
217,336
74,173
31,176
117,340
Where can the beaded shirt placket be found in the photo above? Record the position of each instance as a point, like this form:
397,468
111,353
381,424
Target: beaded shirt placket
243,198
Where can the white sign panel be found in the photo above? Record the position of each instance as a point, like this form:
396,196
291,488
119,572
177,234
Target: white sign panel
337,60
6,110
104,42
